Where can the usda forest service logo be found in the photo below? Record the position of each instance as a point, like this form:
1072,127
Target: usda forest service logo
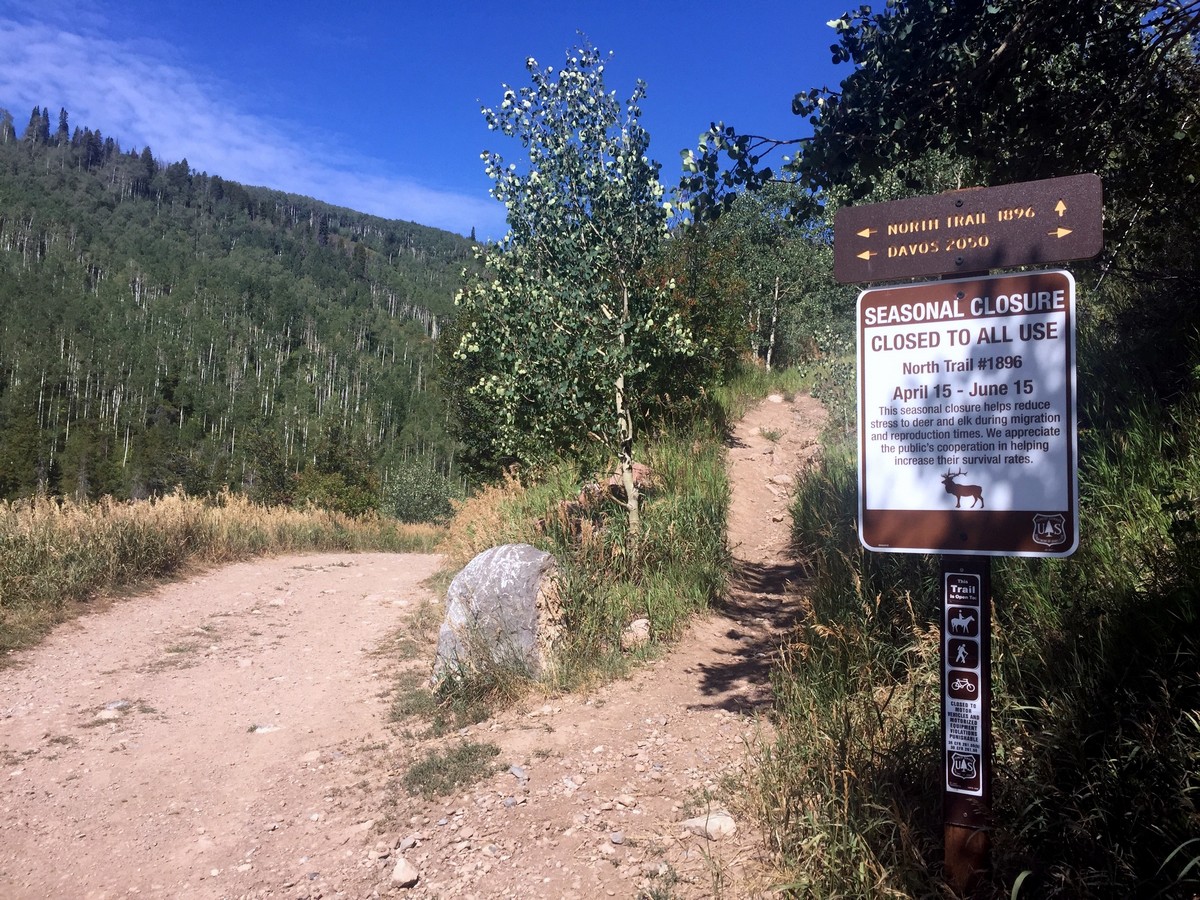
1049,530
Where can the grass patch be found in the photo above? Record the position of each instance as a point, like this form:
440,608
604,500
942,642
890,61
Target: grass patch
442,772
774,435
413,697
457,703
752,383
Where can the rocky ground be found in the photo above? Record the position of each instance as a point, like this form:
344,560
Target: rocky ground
227,736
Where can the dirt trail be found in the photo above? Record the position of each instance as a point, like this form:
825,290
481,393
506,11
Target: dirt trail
227,737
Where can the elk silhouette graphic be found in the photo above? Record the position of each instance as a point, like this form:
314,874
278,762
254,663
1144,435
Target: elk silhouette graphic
974,491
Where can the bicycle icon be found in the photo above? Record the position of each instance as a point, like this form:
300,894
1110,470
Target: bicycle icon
963,683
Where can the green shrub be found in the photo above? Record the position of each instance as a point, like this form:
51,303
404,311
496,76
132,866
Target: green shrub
418,493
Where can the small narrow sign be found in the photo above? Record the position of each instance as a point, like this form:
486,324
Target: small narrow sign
964,684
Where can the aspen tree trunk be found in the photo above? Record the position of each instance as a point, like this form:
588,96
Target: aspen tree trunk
774,322
625,437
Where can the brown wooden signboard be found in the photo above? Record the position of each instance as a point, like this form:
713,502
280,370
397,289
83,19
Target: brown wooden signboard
973,230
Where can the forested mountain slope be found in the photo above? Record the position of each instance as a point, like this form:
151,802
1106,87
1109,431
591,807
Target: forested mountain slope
163,327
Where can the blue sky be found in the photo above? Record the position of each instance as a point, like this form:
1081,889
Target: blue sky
375,105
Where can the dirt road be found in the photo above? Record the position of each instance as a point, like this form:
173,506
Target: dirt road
227,736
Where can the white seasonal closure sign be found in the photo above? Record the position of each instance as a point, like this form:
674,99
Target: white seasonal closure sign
967,422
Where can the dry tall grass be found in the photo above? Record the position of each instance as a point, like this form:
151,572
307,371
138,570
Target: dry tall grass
54,555
495,514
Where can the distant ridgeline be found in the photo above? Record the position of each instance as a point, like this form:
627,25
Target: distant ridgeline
163,327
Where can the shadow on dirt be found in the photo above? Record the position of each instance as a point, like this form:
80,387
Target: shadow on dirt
764,603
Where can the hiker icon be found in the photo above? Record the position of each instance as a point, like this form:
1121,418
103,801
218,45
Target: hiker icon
963,653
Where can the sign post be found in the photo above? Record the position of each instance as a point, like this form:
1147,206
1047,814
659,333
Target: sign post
967,425
966,717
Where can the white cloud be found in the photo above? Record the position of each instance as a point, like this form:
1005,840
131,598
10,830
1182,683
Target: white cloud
141,99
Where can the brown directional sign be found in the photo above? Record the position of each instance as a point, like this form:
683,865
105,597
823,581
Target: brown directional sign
973,230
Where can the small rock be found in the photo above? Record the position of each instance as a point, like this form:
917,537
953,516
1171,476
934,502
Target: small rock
518,772
637,634
617,837
782,478
714,825
404,875
408,843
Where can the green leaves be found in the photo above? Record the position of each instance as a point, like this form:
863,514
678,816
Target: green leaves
723,164
1030,88
563,314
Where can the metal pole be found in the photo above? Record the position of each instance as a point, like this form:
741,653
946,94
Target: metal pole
966,719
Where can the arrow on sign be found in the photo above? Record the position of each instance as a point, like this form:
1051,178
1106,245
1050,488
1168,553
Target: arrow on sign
867,254
867,232
1059,232
1060,208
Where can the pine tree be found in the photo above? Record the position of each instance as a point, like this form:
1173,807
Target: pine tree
33,129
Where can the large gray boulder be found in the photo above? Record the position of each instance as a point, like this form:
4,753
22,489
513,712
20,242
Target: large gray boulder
502,609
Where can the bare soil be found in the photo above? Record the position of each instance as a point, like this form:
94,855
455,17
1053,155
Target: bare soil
228,736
